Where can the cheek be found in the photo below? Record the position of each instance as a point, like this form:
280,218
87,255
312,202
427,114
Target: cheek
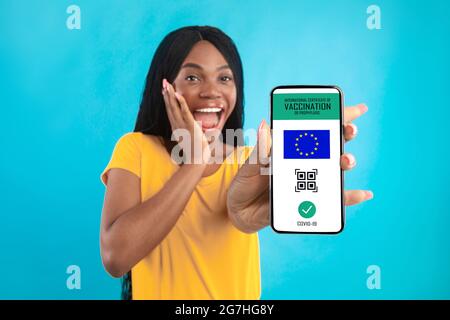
188,95
182,88
189,100
232,102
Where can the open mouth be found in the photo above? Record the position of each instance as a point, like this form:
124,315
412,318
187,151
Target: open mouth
210,118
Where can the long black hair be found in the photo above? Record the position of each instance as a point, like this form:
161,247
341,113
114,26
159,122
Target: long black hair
166,63
169,56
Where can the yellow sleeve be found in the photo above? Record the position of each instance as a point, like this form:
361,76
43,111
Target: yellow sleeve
126,155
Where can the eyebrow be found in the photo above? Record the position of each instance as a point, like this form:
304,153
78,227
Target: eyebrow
196,66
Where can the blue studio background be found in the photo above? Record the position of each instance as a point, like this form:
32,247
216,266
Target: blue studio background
66,96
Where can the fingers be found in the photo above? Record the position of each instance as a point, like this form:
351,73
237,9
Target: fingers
351,113
350,131
352,197
185,112
348,161
172,105
169,110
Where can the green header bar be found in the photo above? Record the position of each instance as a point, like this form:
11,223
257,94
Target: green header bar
306,106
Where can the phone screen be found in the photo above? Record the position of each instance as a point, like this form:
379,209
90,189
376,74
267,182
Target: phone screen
306,180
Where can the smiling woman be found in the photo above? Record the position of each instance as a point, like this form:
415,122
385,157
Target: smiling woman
195,75
185,59
165,228
189,231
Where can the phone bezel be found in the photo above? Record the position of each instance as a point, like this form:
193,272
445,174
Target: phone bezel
341,113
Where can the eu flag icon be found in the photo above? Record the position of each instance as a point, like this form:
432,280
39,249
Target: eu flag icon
306,144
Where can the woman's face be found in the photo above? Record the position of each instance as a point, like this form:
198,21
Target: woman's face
207,83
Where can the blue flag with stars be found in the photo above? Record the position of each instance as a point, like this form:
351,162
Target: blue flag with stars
306,144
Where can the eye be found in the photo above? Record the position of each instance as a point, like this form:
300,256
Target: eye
188,78
226,78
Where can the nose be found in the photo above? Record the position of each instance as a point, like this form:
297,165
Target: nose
210,91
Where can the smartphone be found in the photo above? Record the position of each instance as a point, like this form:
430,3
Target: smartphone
306,182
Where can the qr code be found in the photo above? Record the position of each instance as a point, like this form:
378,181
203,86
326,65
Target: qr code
306,180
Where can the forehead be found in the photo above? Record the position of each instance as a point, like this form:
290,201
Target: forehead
205,54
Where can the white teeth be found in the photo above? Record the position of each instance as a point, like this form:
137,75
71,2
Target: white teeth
208,110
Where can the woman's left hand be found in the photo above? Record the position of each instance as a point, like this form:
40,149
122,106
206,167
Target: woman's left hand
248,195
348,161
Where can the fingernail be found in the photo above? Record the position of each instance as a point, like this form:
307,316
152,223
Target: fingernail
260,126
369,195
354,129
350,160
164,83
363,108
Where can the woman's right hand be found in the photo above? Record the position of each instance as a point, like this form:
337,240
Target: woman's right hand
184,125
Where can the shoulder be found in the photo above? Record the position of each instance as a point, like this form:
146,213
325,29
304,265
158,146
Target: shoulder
140,140
131,149
129,138
133,146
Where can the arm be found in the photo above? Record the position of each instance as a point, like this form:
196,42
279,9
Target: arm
130,230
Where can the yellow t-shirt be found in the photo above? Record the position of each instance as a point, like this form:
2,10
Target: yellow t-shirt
204,256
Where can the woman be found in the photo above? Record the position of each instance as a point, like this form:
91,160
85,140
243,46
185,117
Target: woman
189,230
